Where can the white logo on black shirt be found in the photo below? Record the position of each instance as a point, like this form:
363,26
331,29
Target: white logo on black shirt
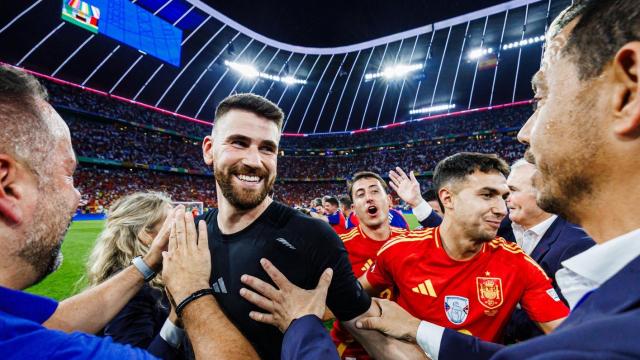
218,287
285,243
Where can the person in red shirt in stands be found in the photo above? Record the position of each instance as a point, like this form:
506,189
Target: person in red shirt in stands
460,275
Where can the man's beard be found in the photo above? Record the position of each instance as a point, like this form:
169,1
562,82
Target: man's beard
569,191
44,238
240,198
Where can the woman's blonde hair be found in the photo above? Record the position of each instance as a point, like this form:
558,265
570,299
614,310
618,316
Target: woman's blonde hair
118,243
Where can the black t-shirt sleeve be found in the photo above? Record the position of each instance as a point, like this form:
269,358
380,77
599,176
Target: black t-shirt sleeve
346,298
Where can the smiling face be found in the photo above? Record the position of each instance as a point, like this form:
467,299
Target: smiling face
371,202
523,209
243,151
476,204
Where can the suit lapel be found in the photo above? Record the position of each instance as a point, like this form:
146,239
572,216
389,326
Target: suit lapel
549,237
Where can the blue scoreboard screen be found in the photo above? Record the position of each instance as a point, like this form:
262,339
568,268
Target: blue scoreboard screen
128,23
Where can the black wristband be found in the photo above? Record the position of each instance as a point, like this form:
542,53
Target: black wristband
196,295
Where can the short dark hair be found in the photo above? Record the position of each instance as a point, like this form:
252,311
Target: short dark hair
603,28
253,103
317,202
345,200
365,175
430,195
457,167
331,200
26,134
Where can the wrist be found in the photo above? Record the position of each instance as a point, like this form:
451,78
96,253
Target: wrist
414,202
153,259
184,292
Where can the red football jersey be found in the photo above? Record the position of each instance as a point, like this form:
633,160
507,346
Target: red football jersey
476,296
362,254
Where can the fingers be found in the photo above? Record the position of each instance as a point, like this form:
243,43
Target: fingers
163,235
262,287
393,185
180,227
278,278
173,241
325,280
413,177
263,318
191,234
203,237
394,177
257,299
369,323
403,175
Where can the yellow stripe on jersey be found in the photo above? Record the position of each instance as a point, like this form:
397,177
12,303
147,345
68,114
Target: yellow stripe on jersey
534,263
349,235
406,238
515,249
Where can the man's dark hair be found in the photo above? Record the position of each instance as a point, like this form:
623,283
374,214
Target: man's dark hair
430,195
317,202
331,200
603,28
345,200
255,104
26,134
365,175
457,167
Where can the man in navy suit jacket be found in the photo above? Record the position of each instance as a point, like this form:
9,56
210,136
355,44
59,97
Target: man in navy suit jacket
585,139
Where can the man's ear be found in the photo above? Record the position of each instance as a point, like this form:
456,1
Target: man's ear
446,197
11,191
207,150
626,70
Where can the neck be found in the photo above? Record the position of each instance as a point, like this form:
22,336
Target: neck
457,244
536,220
380,233
231,219
604,222
15,275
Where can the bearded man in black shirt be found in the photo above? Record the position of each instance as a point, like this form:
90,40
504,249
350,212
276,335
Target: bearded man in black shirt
248,226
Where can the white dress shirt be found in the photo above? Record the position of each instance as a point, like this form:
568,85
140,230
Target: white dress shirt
529,239
580,274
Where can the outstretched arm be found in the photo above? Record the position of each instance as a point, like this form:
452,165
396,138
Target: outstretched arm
92,309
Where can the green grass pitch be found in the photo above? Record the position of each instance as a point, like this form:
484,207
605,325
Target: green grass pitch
68,280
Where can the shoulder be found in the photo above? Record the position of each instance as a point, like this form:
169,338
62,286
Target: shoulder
350,234
408,240
516,256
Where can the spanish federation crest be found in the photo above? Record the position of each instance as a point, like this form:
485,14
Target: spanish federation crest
489,291
456,308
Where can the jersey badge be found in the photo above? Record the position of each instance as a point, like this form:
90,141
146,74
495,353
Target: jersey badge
456,308
489,292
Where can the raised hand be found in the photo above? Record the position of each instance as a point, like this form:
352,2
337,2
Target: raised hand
407,187
187,263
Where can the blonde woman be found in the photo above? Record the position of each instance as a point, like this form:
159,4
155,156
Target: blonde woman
147,321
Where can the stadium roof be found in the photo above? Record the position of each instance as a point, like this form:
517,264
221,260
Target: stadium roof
341,50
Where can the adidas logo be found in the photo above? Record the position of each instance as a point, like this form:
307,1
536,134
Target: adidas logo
367,265
218,287
425,288
285,243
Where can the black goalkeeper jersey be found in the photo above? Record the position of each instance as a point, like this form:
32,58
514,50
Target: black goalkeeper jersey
300,247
